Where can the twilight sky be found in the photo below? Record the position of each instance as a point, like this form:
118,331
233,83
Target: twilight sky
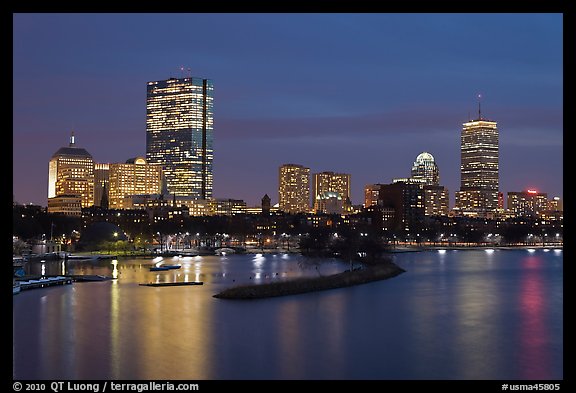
346,92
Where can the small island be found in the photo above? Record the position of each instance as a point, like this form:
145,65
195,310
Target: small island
347,278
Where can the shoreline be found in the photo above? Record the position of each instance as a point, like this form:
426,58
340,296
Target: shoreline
305,285
95,255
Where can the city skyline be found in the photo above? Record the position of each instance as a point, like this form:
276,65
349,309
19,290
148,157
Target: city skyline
320,111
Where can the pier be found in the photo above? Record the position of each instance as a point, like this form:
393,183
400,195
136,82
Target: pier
43,282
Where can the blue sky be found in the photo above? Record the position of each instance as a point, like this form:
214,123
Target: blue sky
348,92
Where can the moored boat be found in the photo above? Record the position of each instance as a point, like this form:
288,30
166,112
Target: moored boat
15,287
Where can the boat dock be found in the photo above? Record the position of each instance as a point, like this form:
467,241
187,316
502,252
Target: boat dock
172,284
44,282
32,282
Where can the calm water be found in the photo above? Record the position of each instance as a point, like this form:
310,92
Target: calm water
453,315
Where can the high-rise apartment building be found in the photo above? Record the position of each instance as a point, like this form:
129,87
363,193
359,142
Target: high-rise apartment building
325,184
71,173
294,188
479,175
132,178
179,134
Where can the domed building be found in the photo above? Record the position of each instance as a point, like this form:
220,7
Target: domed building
70,179
425,169
329,202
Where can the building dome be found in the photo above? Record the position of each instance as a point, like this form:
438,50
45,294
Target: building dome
328,195
425,169
424,157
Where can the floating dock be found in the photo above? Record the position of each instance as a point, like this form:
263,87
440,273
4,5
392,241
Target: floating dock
172,284
44,282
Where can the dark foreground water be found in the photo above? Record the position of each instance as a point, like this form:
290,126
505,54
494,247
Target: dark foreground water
453,315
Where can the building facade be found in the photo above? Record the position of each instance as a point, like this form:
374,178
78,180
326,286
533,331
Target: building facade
371,194
529,203
101,183
479,168
71,172
294,188
134,177
407,202
179,134
325,184
425,168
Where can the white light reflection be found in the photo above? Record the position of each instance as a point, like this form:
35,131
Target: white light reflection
114,268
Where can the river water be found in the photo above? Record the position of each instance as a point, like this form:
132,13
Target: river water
453,315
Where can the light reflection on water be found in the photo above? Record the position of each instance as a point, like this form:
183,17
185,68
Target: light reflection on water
452,315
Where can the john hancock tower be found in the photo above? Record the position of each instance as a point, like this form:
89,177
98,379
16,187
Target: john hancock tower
179,127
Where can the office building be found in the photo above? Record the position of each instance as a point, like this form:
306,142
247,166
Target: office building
425,168
134,177
71,173
479,172
179,134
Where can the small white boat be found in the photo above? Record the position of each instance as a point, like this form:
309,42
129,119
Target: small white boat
224,251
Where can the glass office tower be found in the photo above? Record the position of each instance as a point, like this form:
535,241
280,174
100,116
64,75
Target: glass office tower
179,128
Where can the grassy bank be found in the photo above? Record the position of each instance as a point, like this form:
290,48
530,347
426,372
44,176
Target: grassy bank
312,284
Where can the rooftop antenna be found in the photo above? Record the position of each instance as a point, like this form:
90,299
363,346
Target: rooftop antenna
189,73
479,109
182,71
72,139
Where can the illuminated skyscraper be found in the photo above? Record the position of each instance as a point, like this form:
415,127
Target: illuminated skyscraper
294,188
71,173
179,127
479,179
425,168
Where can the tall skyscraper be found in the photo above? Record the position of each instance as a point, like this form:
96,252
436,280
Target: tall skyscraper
479,175
71,173
179,128
294,188
425,168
